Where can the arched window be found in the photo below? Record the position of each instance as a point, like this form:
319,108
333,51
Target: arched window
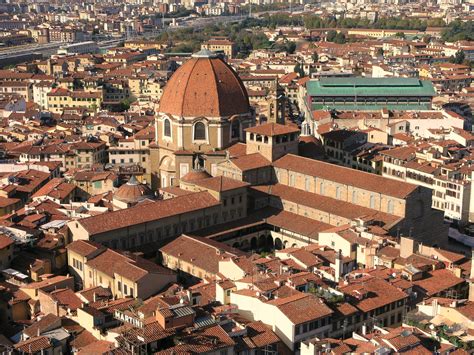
372,201
338,192
354,197
235,129
390,207
167,128
199,131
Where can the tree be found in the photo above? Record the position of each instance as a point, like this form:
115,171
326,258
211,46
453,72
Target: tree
400,35
458,31
336,37
331,36
299,70
340,38
291,47
315,57
458,58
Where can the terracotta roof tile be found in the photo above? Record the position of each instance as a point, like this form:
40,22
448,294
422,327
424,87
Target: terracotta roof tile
220,183
302,307
272,129
5,241
33,345
84,247
437,281
327,204
143,213
374,293
299,224
48,322
250,162
55,188
130,267
202,252
347,176
204,340
97,348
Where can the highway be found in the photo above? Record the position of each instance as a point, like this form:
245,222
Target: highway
49,49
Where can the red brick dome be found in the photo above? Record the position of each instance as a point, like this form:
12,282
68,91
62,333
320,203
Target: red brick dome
133,192
204,86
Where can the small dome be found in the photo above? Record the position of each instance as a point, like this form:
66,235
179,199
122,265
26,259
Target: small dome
204,86
133,192
195,175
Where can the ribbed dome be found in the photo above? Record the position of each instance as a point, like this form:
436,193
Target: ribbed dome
204,86
133,192
195,175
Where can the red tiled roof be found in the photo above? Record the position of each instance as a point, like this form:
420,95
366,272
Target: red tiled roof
250,162
83,339
260,335
237,149
327,204
130,267
5,201
55,188
295,223
46,323
67,298
143,213
204,340
220,183
302,307
272,129
347,176
98,291
377,293
437,281
97,348
34,345
93,176
5,241
201,252
83,247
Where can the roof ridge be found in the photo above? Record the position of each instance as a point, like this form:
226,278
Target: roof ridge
187,83
219,101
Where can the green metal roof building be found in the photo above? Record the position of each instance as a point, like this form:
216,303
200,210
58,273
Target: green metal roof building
370,94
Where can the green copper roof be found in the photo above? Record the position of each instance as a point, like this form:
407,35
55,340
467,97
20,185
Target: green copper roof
371,107
370,87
